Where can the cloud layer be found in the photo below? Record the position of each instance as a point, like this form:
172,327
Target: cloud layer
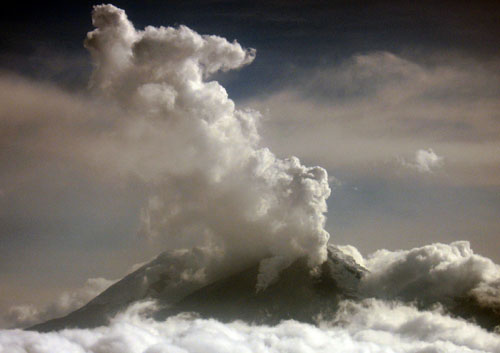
371,326
371,109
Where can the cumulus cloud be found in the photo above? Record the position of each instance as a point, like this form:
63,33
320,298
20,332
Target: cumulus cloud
437,273
27,315
371,326
425,161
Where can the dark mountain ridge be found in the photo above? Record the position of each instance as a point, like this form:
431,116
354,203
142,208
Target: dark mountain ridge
296,294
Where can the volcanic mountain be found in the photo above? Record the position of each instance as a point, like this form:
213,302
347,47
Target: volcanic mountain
297,294
174,281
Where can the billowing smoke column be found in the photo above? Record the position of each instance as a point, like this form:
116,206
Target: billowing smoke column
210,182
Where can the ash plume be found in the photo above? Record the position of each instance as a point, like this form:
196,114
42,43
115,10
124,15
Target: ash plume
210,182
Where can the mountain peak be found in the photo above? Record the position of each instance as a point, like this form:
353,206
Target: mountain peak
298,293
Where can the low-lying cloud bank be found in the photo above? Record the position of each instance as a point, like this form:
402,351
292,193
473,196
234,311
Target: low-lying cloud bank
436,273
370,326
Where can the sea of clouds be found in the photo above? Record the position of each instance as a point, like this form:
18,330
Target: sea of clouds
369,326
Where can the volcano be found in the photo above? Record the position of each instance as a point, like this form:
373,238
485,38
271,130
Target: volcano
298,293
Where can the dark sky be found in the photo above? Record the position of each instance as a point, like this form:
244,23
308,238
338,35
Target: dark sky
37,40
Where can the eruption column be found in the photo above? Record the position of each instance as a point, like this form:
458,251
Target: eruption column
211,183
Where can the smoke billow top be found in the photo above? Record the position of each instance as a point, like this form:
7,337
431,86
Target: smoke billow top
210,182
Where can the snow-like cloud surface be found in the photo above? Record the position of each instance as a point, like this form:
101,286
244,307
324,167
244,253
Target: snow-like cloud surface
371,326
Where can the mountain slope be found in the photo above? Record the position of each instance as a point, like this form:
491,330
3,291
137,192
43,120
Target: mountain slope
297,294
160,279
172,279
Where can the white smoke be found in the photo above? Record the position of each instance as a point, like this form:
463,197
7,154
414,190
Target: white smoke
210,182
371,326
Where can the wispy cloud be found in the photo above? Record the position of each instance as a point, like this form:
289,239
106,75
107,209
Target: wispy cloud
371,108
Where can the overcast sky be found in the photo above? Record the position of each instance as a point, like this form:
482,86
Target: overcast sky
398,101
